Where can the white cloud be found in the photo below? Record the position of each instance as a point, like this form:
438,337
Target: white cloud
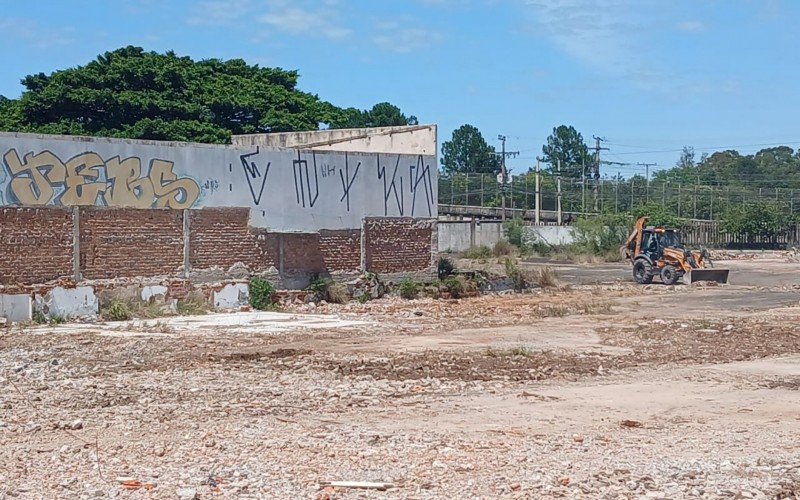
403,36
613,38
315,20
34,34
691,26
220,12
596,32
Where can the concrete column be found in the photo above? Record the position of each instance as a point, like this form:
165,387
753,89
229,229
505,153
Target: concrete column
363,246
186,244
76,244
473,228
280,254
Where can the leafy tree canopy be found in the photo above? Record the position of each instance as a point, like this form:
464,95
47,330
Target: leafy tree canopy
776,166
761,218
468,152
381,115
566,145
145,95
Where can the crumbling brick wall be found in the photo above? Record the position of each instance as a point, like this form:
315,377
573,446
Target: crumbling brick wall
223,237
35,245
398,244
126,242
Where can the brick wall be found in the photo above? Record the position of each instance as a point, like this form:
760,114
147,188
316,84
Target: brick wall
396,245
341,250
35,245
127,242
222,237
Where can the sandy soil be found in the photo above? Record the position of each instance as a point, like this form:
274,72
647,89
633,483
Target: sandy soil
600,390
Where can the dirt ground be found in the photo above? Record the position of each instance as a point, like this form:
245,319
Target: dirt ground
599,389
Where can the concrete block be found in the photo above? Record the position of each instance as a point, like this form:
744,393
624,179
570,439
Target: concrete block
16,308
156,292
69,302
232,296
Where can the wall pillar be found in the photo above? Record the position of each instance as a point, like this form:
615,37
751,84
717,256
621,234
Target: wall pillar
76,244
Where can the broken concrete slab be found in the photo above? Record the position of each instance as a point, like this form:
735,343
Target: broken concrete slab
68,302
157,293
232,296
16,308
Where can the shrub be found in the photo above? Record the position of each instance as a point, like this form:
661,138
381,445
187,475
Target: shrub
657,215
444,267
502,248
516,275
757,219
546,277
409,289
116,311
477,252
262,294
513,231
328,290
456,286
193,306
39,318
56,320
602,236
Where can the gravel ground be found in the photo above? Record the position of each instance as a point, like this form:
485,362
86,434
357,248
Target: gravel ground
631,404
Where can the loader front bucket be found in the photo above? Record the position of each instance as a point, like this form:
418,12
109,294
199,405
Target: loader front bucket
712,274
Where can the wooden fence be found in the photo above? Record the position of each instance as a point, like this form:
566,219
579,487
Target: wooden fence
707,233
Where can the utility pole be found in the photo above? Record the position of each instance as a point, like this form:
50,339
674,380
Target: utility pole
596,173
647,179
616,193
583,185
504,172
537,202
558,188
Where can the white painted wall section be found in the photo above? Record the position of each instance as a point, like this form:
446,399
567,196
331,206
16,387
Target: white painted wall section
286,190
16,308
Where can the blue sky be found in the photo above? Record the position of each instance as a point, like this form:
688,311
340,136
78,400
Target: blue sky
649,76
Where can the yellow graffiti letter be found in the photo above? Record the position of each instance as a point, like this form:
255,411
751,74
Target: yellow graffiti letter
81,170
29,184
128,188
175,193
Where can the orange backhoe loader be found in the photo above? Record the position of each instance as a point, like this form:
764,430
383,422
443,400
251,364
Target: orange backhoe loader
658,251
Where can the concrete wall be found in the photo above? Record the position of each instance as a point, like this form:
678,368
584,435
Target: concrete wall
459,235
551,235
301,191
414,140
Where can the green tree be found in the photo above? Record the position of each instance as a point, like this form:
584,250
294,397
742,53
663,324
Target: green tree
687,158
755,219
468,152
566,145
9,114
387,115
145,95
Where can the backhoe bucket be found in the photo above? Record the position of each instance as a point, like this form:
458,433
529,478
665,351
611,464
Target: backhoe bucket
712,274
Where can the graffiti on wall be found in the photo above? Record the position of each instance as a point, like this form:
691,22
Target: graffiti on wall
287,189
87,179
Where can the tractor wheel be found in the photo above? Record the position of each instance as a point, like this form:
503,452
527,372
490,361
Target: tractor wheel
669,275
642,272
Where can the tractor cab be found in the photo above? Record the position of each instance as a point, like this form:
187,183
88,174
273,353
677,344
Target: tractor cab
655,240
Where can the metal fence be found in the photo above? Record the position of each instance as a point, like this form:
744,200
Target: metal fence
693,201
